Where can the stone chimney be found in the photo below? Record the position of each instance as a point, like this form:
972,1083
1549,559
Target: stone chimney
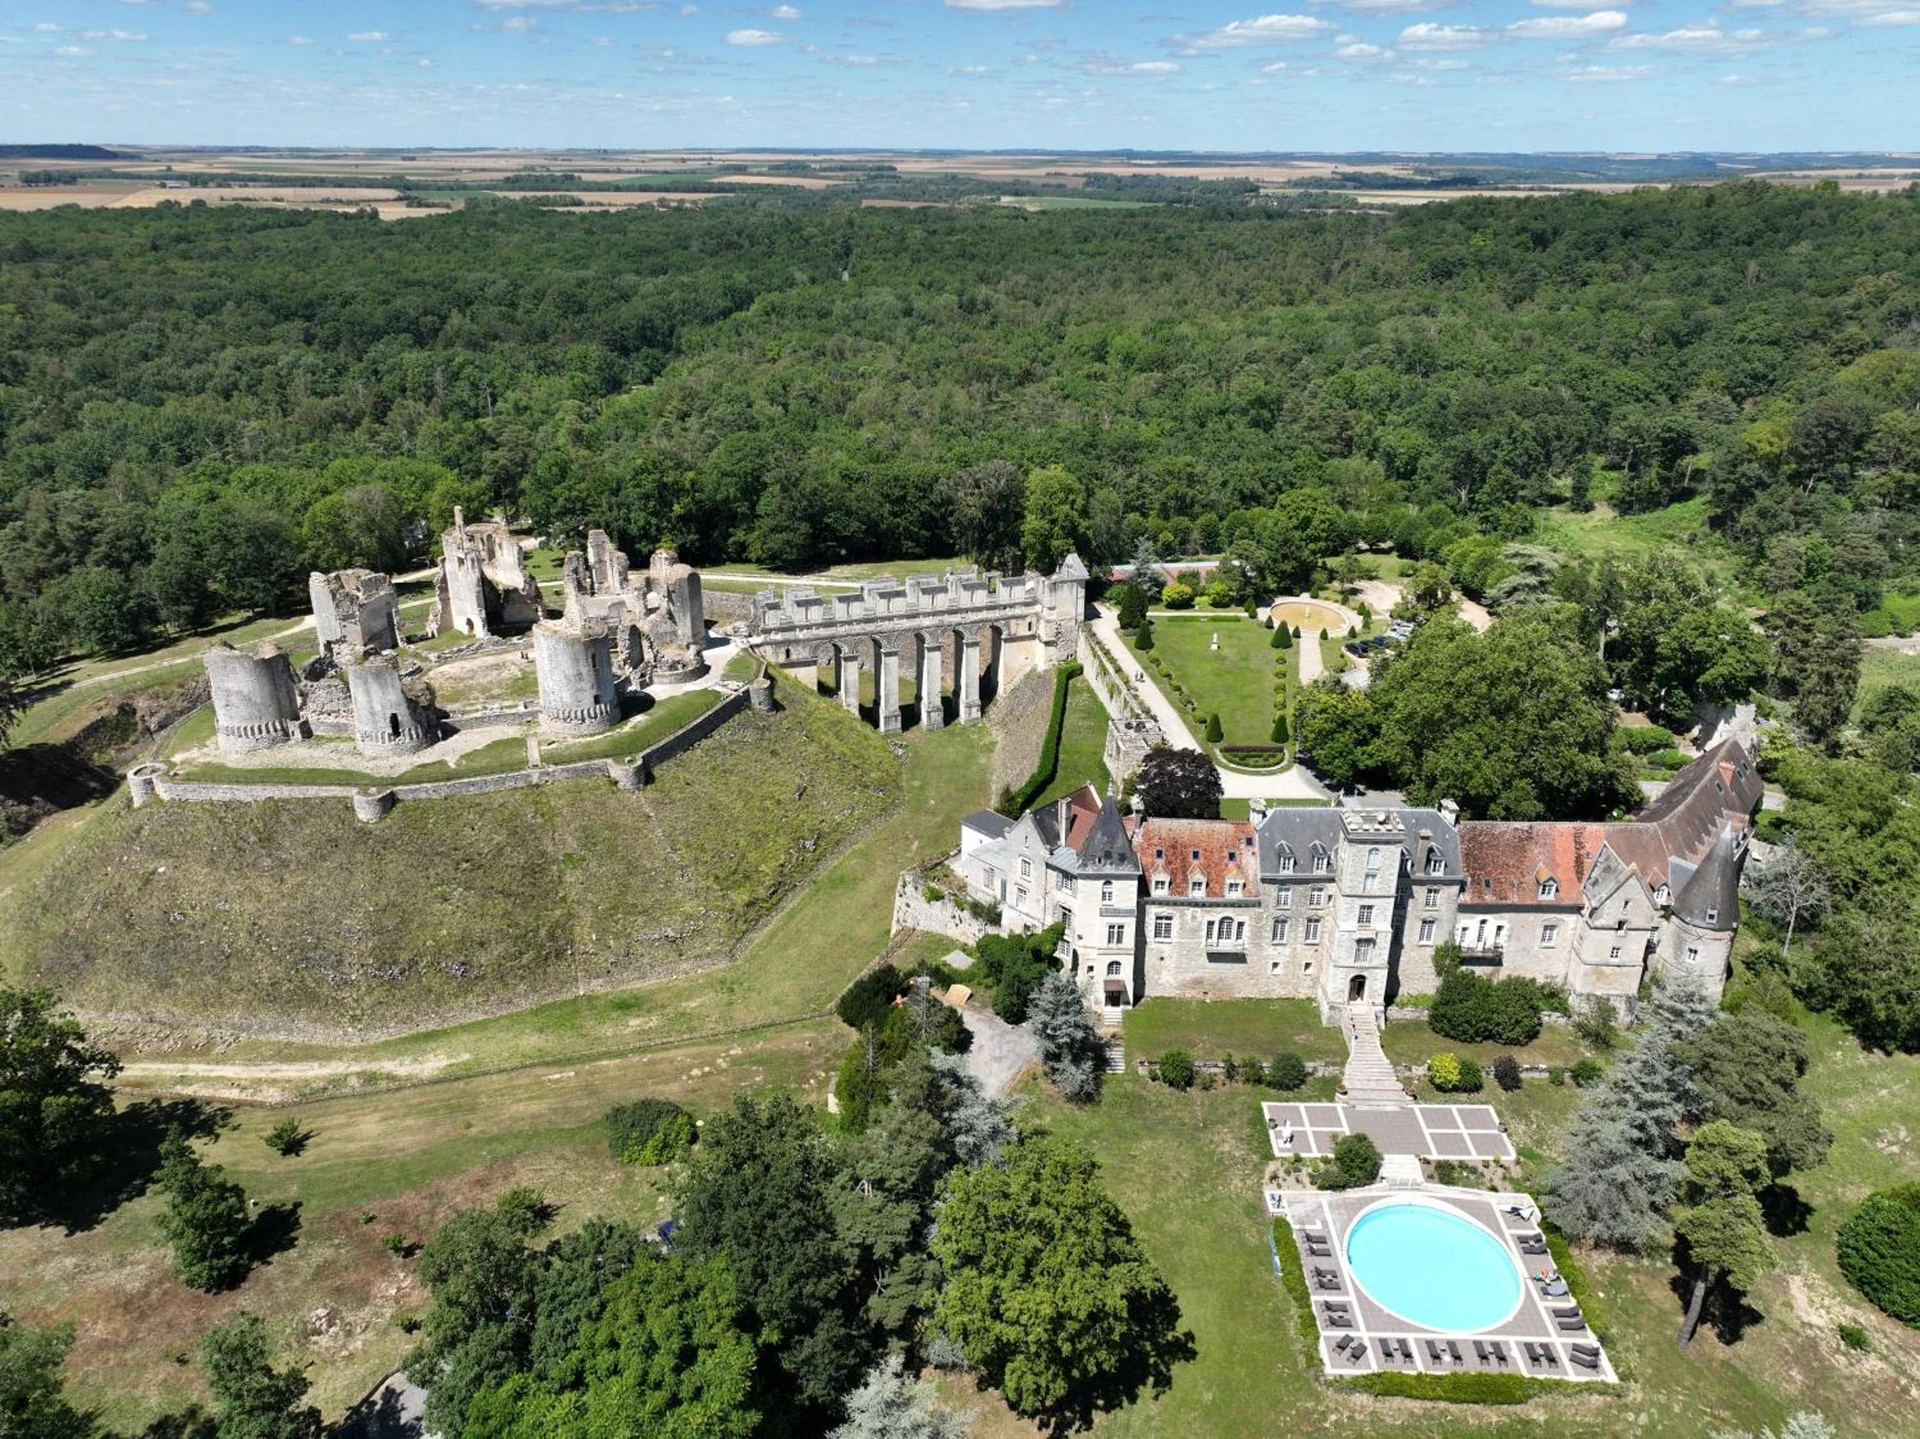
1450,811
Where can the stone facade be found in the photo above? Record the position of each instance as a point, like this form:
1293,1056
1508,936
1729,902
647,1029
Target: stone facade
971,633
355,614
1348,905
256,704
1128,742
483,585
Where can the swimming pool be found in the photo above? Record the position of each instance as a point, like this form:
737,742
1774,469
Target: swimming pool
1432,1266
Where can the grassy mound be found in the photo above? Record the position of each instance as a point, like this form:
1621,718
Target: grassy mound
293,917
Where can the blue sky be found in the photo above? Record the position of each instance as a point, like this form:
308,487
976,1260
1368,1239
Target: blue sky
1057,74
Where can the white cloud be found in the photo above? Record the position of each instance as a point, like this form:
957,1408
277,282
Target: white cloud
1569,27
1604,74
1004,4
754,39
1738,80
1359,50
73,51
1440,64
1702,37
785,12
603,41
369,35
1892,17
128,35
1429,36
47,27
298,40
198,7
858,61
1258,33
1392,7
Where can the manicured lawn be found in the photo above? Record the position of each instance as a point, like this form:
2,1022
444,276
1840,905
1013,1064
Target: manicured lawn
1236,681
1215,1028
1083,743
1407,1040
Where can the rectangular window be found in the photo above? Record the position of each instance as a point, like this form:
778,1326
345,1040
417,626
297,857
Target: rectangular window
1313,930
1280,927
1366,916
1283,897
1426,931
1116,934
1163,926
1026,868
1066,884
1317,896
1548,934
1286,864
1614,953
1233,889
1197,884
1209,931
1273,966
1322,864
1363,951
1433,899
1160,884
1693,954
1020,896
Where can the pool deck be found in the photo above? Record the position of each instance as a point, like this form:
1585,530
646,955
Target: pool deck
1533,1325
1426,1131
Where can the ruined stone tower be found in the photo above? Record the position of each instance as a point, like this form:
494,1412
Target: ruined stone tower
483,583
576,673
678,589
386,718
255,702
354,613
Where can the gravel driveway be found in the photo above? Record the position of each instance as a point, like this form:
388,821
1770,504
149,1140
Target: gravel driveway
999,1051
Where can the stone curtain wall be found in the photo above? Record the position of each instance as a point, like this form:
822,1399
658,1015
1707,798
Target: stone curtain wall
913,910
150,781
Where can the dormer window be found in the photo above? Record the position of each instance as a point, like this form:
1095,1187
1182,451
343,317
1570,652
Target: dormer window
1194,855
1197,884
1159,852
1234,887
1322,863
1713,916
1286,864
1436,862
1159,884
1549,888
1662,895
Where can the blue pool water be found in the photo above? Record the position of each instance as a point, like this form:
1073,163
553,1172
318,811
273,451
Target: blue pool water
1433,1267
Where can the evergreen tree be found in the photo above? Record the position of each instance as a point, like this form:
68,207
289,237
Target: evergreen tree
56,1116
255,1400
1214,732
32,1404
1747,1066
205,1220
887,1405
1069,1045
1725,1230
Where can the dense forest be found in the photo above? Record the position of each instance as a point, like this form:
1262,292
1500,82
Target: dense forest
197,404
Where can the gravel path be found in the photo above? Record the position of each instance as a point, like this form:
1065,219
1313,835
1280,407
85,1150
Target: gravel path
999,1050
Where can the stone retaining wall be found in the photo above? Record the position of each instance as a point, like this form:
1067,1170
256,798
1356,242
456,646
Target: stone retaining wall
150,781
913,910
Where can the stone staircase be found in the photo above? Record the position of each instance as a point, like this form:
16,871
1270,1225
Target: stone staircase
1369,1077
1116,1056
1401,1171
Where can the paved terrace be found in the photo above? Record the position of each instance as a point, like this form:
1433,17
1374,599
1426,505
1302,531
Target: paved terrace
1423,1131
1357,1336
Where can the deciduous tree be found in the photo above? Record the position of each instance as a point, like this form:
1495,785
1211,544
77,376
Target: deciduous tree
1178,784
56,1114
1725,1230
255,1400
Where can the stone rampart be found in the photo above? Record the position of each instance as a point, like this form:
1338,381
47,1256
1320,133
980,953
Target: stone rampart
147,782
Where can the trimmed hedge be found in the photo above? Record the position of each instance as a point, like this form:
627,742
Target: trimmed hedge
1471,1008
1644,738
1457,1388
1580,1290
1022,799
1879,1251
649,1131
1294,1279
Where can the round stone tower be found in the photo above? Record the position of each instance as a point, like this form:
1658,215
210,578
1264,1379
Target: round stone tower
386,719
575,669
255,704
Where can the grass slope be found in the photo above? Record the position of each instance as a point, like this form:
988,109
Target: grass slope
294,916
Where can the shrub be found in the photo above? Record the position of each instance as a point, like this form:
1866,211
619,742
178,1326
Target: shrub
1176,1069
1131,601
1443,1072
1596,1024
1280,734
1044,771
867,1000
1587,1072
287,1138
1214,733
1453,1388
1355,1162
1556,1076
1667,759
1506,1073
1296,632
1177,596
1014,966
1855,1338
1879,1251
1472,1008
1645,738
1453,1172
649,1131
396,1244
1252,1071
1471,1080
1288,1070
1219,594
1143,637
1294,1279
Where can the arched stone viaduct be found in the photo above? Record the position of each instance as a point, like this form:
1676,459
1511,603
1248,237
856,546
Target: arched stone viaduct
961,634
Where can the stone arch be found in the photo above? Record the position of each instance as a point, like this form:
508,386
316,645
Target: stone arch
1356,989
930,679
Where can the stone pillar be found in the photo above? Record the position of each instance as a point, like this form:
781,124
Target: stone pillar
850,681
886,685
933,713
967,686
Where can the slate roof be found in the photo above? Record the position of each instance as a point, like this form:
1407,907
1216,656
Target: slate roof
1106,848
987,822
1226,849
1714,886
1295,830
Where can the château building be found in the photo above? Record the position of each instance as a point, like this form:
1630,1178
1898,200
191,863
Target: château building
1347,905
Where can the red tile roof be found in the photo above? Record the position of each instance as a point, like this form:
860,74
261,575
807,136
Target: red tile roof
1227,847
1506,862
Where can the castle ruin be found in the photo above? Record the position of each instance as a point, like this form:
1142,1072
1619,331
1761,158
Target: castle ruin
483,585
354,614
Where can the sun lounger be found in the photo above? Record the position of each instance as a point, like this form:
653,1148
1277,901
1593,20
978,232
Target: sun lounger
1533,1354
1319,1251
1321,1269
1564,1311
1480,1351
1586,1349
1572,1323
1433,1352
1341,1345
1359,1351
1454,1350
1546,1353
1587,1361
1557,1289
1339,1319
1499,1352
1406,1350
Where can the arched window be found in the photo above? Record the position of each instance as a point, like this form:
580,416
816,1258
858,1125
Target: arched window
1106,892
1113,969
